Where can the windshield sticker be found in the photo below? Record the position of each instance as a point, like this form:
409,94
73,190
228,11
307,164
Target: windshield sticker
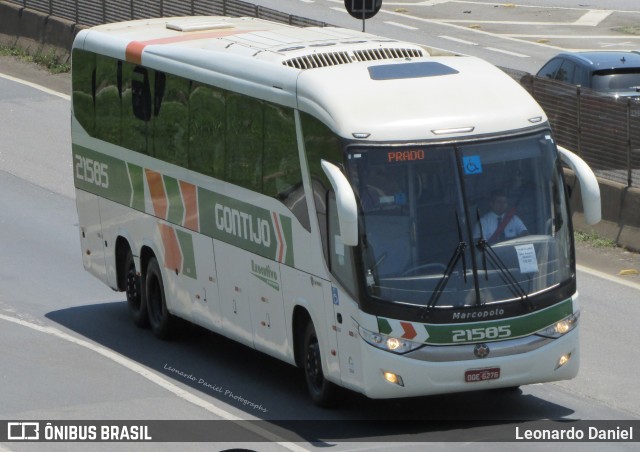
472,164
527,258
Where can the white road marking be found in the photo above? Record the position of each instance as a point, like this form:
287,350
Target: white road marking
570,36
396,24
472,30
507,52
461,41
35,86
608,277
153,378
593,18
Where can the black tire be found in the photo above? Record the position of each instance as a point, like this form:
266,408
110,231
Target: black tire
160,320
322,391
133,289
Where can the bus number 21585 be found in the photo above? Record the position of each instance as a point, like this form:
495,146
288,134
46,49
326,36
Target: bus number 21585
92,171
481,334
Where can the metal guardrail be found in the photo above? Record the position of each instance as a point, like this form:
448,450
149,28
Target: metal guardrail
95,12
604,131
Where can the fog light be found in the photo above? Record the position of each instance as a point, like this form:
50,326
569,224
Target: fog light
564,359
393,378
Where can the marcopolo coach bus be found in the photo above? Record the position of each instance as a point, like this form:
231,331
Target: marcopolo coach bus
389,221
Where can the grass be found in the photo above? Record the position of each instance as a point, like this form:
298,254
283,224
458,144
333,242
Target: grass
49,60
630,29
594,240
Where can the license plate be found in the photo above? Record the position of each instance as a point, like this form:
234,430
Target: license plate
474,375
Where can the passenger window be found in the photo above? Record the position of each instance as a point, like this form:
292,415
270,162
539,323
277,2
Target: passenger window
141,94
135,107
207,129
320,143
550,69
83,81
171,119
244,141
282,174
566,71
107,100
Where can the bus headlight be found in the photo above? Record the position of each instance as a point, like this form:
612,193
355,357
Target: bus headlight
388,343
561,327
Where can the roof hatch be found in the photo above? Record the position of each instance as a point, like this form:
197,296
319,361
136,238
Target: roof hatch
186,26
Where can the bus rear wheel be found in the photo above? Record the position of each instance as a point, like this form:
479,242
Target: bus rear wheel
160,320
135,301
322,391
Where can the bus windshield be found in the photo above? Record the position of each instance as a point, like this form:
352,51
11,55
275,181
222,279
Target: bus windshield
462,224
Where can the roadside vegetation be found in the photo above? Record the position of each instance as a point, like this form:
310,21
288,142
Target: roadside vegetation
48,60
594,240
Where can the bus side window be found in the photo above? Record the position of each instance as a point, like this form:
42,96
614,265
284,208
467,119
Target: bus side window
243,162
282,174
207,127
171,118
83,81
107,100
320,143
135,132
141,93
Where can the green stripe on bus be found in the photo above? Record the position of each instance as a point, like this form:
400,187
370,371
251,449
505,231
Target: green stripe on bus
188,254
101,175
510,328
384,326
243,225
518,326
176,208
137,185
223,218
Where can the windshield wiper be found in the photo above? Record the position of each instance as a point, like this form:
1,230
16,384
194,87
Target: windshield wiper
458,253
505,274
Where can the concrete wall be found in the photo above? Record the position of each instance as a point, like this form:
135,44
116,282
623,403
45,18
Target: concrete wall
36,32
39,32
620,212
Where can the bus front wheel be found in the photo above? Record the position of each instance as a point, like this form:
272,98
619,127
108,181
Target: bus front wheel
322,391
160,319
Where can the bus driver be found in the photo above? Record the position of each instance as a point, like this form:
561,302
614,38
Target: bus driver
501,223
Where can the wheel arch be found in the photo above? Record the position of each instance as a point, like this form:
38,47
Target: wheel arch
300,319
123,247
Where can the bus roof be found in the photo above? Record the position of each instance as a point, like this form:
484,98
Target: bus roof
381,88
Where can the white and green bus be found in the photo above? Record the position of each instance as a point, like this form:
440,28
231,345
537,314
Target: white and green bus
323,195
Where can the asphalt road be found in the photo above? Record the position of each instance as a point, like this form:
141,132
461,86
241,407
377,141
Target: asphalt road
518,35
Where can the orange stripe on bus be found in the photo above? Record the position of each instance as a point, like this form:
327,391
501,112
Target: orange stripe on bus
172,253
133,52
190,199
281,243
158,196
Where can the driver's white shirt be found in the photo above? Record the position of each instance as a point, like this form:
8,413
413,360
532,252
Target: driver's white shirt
491,221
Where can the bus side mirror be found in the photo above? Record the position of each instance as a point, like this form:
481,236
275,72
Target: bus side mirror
588,185
345,203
